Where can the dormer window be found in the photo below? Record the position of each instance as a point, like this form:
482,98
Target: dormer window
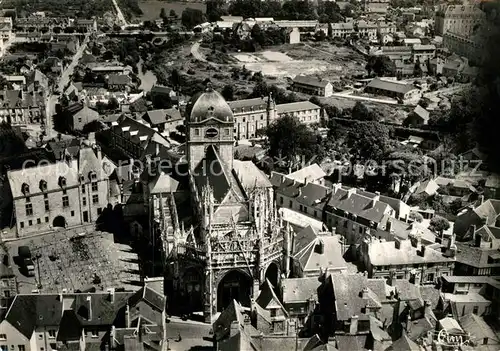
62,181
81,178
25,188
43,185
92,175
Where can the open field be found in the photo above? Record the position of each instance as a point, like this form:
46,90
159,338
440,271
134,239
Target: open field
288,60
151,8
70,261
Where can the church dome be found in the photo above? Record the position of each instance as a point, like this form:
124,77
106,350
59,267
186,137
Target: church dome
209,104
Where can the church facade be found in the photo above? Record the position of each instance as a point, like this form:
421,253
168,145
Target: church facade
218,223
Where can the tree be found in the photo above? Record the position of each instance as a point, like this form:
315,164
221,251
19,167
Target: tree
191,17
113,104
362,113
369,140
417,217
172,13
381,66
215,9
163,14
228,92
439,224
257,35
289,140
175,79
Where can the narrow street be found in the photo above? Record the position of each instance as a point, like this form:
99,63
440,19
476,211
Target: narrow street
119,13
63,81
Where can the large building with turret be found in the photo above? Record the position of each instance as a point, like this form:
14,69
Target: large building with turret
216,216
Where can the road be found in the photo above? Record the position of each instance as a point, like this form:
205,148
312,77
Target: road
63,81
119,13
192,334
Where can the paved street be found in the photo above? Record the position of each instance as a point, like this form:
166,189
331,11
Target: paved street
119,13
63,81
192,334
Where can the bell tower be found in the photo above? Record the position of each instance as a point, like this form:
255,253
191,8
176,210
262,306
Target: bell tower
209,121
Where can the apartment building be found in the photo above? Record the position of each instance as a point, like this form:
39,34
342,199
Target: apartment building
18,107
70,192
251,115
342,30
80,321
408,259
135,139
462,20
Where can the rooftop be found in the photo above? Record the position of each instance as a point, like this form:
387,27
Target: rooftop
401,88
296,106
386,253
299,289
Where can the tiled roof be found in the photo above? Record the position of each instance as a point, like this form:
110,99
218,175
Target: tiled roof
162,115
300,289
249,175
390,86
352,342
331,258
163,183
118,79
28,312
474,256
386,253
344,26
404,343
311,81
296,106
211,172
311,173
303,238
478,328
50,173
255,104
267,298
359,205
348,295
222,325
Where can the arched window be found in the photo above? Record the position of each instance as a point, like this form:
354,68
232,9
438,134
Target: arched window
92,175
43,185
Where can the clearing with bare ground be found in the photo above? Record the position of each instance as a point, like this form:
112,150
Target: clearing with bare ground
288,60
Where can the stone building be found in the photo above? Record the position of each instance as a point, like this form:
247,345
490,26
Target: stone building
220,231
250,115
69,192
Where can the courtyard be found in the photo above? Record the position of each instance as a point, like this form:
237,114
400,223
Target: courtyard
77,261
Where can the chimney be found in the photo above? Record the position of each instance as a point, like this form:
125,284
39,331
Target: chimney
350,192
157,149
336,187
422,250
311,304
481,199
427,308
477,239
113,339
364,293
388,226
397,243
89,302
111,295
353,328
235,328
451,242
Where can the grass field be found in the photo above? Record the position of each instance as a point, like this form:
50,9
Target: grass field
151,9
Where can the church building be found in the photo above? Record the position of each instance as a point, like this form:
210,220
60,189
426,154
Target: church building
216,216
